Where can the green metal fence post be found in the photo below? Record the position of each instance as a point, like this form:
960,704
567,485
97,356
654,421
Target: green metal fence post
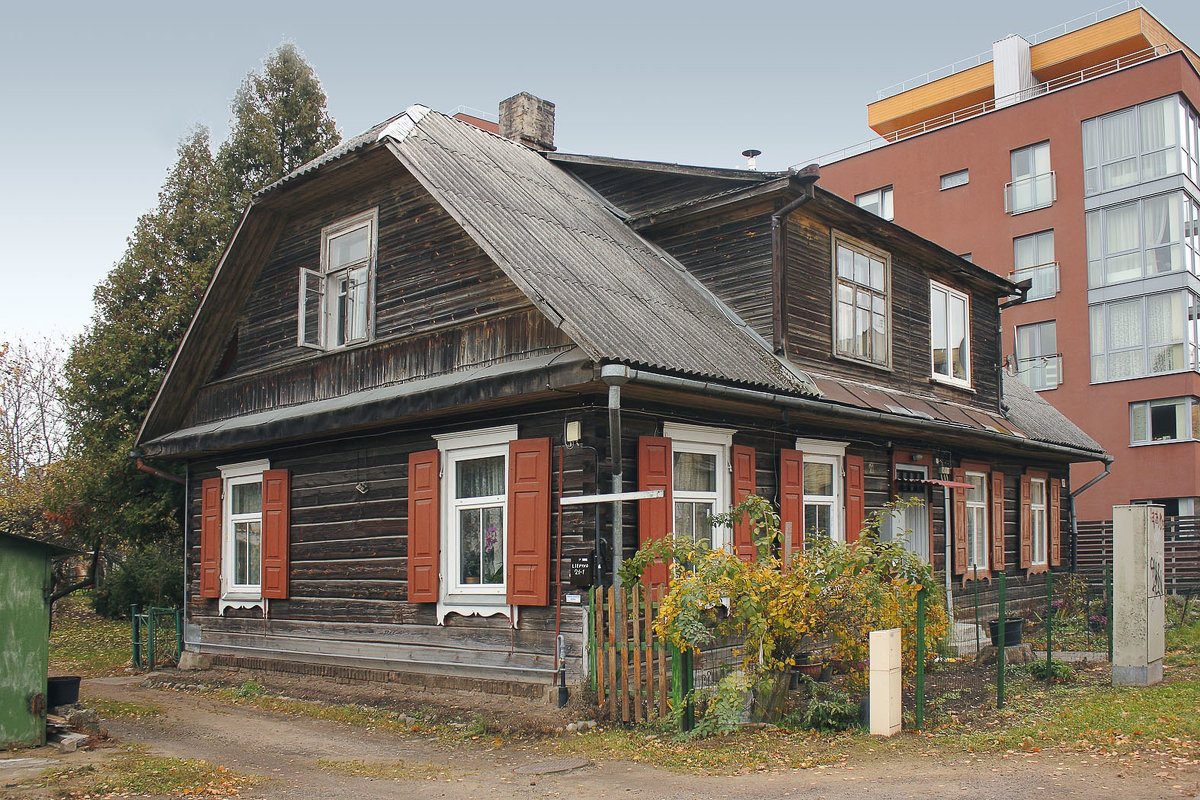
689,709
919,717
976,582
1049,624
150,637
137,639
1000,648
178,635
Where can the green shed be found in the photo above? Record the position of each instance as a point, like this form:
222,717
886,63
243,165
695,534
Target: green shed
24,638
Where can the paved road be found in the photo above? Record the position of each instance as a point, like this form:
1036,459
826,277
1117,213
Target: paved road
285,753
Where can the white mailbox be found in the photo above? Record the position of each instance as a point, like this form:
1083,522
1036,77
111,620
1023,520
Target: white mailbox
885,682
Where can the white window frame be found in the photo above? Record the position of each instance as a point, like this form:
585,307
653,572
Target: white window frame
819,451
884,360
1028,366
955,179
1182,245
1039,539
705,441
1099,330
898,522
1039,183
977,510
319,286
1142,438
454,597
882,198
1095,166
233,594
1042,268
951,294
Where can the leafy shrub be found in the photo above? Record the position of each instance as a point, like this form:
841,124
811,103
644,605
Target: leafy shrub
829,709
152,576
1055,671
248,690
722,707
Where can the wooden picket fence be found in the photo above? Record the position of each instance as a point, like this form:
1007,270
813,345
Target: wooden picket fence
631,664
1181,551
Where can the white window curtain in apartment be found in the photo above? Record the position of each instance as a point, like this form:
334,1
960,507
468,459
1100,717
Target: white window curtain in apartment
1125,354
1118,149
1161,217
1158,138
1121,244
1165,329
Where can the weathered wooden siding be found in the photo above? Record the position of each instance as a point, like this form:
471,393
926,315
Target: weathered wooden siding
730,253
636,191
809,281
348,585
441,304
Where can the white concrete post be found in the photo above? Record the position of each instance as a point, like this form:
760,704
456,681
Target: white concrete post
1138,603
885,682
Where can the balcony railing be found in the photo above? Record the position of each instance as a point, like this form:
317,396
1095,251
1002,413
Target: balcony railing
1043,280
1030,194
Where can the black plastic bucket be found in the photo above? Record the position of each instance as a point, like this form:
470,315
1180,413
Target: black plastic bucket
62,691
1012,631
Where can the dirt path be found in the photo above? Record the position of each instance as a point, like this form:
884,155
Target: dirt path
285,753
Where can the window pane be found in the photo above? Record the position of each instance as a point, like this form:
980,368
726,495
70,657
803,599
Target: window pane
695,472
1037,492
845,262
692,521
493,545
480,477
1137,422
958,337
818,478
247,538
862,269
246,498
346,248
817,520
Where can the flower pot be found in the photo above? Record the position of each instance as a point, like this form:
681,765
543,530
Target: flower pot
63,691
1012,631
812,670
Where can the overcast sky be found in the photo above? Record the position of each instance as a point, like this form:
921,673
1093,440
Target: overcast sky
97,95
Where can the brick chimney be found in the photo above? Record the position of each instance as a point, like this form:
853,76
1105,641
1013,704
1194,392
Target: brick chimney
528,120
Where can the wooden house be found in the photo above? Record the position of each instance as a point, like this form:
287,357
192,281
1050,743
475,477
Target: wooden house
416,345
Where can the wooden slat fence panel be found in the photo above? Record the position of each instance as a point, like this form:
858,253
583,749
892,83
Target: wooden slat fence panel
1181,551
632,663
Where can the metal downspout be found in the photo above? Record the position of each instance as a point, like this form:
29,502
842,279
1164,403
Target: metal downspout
806,180
1075,518
615,382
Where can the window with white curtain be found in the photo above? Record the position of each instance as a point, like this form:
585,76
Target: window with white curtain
1134,145
1038,519
977,520
862,307
1033,260
949,333
1038,361
700,481
1143,238
1032,185
1144,336
1171,420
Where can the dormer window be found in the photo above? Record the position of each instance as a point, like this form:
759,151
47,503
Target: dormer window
336,308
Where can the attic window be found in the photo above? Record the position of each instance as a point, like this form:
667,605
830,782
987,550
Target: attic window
336,302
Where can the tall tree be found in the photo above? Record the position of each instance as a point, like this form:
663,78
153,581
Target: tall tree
279,123
144,305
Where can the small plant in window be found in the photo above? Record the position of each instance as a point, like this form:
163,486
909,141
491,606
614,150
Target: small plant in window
493,555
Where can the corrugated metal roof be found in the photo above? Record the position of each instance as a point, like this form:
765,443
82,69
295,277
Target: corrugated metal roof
618,296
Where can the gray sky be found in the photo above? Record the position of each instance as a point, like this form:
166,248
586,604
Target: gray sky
97,95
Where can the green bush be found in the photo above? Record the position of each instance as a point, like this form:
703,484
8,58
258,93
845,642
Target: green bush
149,577
1056,671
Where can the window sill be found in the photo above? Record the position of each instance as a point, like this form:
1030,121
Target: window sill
953,384
477,606
1162,441
240,600
863,363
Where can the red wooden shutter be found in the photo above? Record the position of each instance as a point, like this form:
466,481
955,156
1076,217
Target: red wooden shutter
210,537
655,516
791,497
998,521
423,529
856,498
529,522
961,556
275,540
1054,513
743,487
1025,550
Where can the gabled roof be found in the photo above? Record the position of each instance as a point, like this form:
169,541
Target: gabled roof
1040,420
616,295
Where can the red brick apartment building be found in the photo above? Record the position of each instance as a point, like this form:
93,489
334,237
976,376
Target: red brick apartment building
1072,162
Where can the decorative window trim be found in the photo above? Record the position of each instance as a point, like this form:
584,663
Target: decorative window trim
315,286
1044,536
822,451
238,595
452,597
709,441
858,246
983,533
950,295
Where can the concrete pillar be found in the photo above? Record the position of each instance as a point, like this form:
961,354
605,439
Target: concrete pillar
1138,603
885,682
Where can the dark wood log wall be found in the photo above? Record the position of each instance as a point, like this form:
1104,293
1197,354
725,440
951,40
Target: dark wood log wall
641,191
441,304
809,278
348,565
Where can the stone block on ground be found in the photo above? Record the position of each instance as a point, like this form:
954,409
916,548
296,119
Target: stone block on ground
191,660
85,720
1016,654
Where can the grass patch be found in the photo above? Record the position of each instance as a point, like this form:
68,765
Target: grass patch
346,714
83,643
386,770
120,709
134,772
